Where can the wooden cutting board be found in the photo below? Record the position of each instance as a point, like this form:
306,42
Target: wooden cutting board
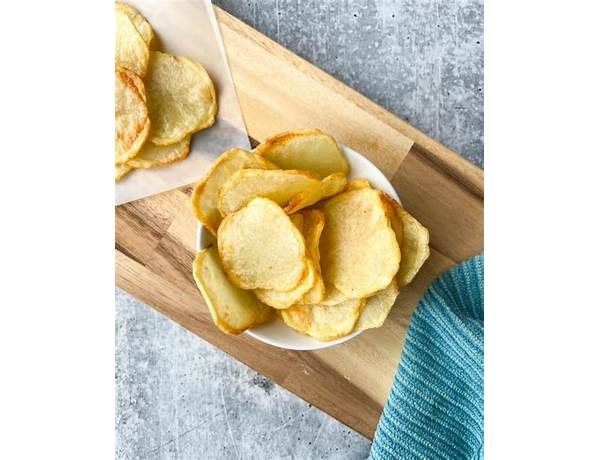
279,91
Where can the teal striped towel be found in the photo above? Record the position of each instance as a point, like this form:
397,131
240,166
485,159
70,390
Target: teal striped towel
435,406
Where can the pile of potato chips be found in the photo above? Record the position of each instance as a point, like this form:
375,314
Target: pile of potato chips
160,99
295,240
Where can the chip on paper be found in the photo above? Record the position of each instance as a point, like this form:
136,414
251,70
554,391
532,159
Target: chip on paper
141,24
323,322
260,247
278,185
131,51
329,186
309,150
233,310
154,156
181,97
121,170
204,196
132,124
377,307
359,251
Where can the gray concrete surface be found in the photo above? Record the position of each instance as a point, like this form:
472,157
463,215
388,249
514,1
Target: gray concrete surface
177,397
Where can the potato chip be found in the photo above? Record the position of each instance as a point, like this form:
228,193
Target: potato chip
395,220
323,322
131,116
277,185
298,221
260,247
414,246
181,98
204,197
121,171
357,184
311,289
153,156
314,221
297,317
333,296
285,299
139,21
359,250
316,294
131,52
233,310
329,186
139,86
378,307
308,150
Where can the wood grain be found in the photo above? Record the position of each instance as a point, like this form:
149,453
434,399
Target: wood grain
155,237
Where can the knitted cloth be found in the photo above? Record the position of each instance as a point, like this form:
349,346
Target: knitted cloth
435,406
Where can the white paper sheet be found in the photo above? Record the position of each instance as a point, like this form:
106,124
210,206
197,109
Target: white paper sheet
189,28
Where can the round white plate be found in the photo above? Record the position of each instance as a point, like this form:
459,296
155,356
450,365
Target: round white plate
276,333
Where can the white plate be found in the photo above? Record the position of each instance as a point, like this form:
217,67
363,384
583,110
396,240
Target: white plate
276,333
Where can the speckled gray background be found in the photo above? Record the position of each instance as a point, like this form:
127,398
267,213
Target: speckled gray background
179,397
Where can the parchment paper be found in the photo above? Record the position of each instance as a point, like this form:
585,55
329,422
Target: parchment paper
189,28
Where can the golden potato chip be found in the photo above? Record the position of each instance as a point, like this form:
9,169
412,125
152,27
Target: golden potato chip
204,197
359,251
121,171
181,98
395,220
316,294
139,85
277,185
356,184
260,247
314,221
131,116
139,21
153,156
333,296
329,186
131,52
415,243
233,310
285,299
323,322
308,150
297,317
377,307
311,288
298,221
